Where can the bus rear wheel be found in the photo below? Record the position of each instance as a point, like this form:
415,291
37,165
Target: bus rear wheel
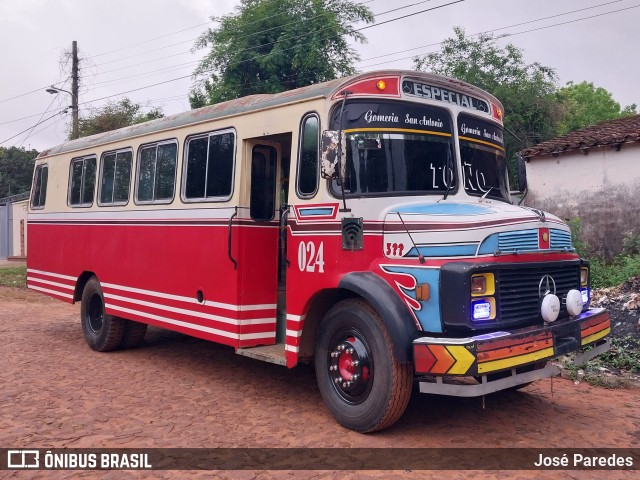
360,380
133,335
101,331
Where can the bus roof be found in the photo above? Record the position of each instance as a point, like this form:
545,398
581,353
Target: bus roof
248,104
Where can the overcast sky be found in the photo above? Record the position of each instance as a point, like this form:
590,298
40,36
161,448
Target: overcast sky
120,51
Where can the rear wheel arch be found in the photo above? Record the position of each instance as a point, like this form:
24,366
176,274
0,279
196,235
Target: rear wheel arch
81,283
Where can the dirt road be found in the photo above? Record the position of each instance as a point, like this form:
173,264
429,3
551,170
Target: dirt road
177,391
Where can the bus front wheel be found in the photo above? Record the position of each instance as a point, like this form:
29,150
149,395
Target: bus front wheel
363,385
101,331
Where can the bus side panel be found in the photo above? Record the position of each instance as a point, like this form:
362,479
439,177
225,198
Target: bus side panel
318,262
258,273
164,273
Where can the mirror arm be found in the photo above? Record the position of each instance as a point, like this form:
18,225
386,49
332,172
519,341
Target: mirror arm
345,93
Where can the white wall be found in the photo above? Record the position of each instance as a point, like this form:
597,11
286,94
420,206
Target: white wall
19,213
601,188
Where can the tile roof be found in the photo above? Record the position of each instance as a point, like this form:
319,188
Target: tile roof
612,132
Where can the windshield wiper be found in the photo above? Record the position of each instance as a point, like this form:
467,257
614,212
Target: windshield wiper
484,195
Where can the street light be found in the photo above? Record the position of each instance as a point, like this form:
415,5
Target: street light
74,108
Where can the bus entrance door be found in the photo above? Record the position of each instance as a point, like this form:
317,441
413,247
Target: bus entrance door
259,246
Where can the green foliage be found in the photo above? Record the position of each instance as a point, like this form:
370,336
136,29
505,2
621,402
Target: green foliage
115,115
16,170
607,273
13,277
525,90
624,354
270,46
582,247
583,105
619,270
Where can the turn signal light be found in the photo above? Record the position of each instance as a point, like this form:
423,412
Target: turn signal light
584,276
381,85
483,284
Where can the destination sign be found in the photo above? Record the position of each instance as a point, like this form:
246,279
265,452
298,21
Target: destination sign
444,95
394,115
475,129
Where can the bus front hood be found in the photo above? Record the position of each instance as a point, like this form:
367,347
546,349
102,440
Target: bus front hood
457,229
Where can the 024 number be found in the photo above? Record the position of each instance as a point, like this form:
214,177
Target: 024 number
311,258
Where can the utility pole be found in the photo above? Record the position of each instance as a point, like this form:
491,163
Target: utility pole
74,90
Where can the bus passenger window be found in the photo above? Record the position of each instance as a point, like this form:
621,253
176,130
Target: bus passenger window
308,157
157,172
115,178
209,169
82,182
39,193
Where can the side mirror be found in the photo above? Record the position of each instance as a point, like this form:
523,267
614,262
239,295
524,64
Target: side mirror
330,142
522,174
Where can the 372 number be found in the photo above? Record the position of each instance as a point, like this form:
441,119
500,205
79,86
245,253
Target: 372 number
311,258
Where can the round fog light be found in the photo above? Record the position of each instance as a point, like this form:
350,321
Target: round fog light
574,302
550,307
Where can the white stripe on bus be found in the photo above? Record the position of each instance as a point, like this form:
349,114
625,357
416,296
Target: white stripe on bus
193,326
52,292
193,313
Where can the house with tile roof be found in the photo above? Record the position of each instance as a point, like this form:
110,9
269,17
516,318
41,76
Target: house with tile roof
592,174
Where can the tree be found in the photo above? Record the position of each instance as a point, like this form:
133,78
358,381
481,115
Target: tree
525,90
116,115
270,46
16,170
585,105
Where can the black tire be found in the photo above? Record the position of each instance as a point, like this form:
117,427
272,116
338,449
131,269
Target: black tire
134,333
361,382
101,331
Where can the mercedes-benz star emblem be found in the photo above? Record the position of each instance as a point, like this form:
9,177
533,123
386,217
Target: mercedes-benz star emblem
545,286
407,87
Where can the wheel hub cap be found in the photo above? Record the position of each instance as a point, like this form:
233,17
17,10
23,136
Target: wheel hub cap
349,366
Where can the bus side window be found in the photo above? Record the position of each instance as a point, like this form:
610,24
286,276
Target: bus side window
82,181
209,167
157,172
308,154
39,194
115,177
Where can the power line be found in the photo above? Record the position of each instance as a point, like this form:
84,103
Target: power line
151,40
409,15
371,65
494,30
33,126
247,35
371,58
513,34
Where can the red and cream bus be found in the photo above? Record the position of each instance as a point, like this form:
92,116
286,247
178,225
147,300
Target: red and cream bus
363,224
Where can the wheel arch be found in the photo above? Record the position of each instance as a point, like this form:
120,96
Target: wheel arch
375,291
394,313
318,308
81,283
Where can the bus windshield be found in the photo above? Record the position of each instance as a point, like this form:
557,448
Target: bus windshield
484,167
396,148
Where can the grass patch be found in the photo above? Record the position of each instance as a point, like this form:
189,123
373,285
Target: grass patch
624,355
616,272
13,277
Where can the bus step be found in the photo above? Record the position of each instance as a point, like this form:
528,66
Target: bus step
266,353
